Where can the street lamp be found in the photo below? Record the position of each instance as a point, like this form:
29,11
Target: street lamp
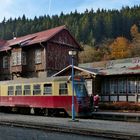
72,53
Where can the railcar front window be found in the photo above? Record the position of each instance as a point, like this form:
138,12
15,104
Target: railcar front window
80,89
36,90
10,90
63,89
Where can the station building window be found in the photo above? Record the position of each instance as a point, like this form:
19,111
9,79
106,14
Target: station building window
113,86
18,58
131,86
122,86
138,86
106,87
37,56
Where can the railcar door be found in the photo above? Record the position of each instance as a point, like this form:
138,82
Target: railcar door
82,97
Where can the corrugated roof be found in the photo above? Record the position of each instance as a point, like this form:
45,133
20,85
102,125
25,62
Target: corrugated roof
119,63
116,67
120,71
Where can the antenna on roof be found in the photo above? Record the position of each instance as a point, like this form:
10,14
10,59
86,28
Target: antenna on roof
14,35
49,7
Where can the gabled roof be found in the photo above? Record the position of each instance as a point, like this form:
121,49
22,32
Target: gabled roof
88,70
37,37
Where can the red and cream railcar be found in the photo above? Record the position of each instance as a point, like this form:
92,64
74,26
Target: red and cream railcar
48,96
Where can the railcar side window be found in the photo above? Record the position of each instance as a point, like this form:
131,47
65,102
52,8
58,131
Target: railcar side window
27,89
47,89
63,88
36,89
18,90
10,90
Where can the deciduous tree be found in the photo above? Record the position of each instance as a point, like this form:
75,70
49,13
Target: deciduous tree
120,48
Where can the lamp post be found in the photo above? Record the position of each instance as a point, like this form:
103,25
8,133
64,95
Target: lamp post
72,53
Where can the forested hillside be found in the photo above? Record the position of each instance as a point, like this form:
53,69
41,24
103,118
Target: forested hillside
87,27
97,29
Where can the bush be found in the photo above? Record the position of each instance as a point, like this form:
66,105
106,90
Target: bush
128,106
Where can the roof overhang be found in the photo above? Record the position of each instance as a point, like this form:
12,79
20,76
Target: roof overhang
60,73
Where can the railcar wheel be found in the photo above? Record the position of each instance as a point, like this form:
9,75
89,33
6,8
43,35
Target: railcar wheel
25,110
45,112
52,112
36,111
6,109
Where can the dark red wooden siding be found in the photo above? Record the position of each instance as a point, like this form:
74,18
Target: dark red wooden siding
57,51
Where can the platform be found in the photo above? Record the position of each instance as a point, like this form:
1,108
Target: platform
117,116
103,128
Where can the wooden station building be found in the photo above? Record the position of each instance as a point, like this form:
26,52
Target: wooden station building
37,55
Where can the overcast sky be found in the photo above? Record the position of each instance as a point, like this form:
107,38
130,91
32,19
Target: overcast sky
32,8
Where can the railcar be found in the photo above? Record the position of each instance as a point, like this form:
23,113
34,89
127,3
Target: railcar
46,96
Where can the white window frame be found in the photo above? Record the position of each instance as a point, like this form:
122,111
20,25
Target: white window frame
18,58
38,56
14,59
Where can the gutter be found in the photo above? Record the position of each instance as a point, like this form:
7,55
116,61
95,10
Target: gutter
44,52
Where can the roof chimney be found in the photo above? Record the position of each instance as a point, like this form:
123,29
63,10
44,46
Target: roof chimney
14,36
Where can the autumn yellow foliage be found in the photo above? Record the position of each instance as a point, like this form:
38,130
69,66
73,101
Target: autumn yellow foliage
120,48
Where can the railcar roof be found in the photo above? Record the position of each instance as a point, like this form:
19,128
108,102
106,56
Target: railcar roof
35,80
